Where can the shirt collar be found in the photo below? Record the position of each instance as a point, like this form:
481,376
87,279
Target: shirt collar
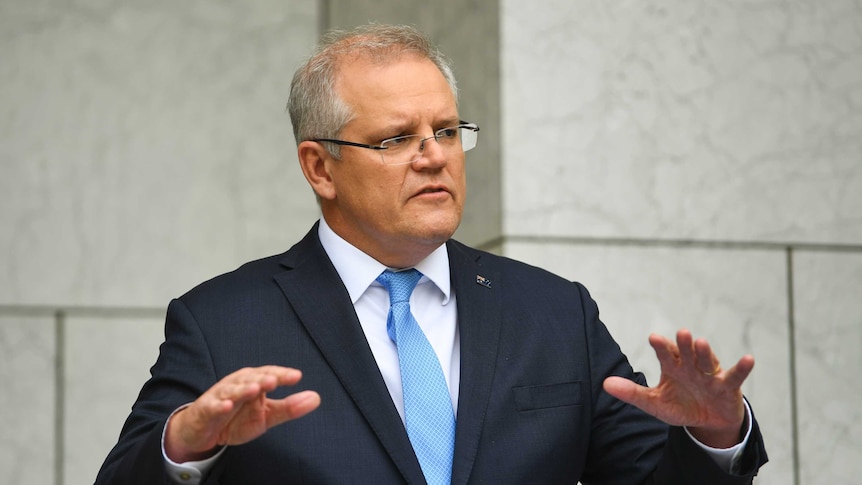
358,270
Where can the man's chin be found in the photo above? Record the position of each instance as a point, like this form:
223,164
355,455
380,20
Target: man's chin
439,230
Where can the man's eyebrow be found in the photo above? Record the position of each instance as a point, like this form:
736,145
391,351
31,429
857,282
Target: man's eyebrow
389,130
408,126
450,121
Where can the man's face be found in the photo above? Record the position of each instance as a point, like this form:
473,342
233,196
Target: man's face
397,214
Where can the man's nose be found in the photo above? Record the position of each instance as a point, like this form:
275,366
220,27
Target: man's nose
431,153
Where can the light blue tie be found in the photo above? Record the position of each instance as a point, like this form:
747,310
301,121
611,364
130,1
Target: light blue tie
428,414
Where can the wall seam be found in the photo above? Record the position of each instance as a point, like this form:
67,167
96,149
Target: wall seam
69,311
791,344
59,395
675,243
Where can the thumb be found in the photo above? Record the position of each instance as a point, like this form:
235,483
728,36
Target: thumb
624,390
292,407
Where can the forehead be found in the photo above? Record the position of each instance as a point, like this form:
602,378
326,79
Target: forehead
408,87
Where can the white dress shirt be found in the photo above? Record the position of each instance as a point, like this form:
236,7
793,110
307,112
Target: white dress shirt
432,304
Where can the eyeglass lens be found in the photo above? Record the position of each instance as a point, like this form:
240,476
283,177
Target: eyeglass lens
409,148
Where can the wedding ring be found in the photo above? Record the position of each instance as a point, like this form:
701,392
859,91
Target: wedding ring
714,371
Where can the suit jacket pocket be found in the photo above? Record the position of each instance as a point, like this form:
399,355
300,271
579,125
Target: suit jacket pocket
531,398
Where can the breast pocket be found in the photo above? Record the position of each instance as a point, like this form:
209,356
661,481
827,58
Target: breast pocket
531,398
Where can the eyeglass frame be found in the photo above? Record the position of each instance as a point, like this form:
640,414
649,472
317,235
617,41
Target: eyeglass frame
461,125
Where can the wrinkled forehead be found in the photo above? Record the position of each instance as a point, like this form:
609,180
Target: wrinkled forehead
405,93
402,75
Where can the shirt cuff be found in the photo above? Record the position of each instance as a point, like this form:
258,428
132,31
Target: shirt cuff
727,458
190,472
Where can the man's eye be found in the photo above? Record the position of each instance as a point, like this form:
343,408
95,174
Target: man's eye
447,133
397,141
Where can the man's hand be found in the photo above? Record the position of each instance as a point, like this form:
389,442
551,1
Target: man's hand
693,390
234,411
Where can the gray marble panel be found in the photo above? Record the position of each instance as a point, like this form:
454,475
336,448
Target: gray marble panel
27,352
145,145
828,301
107,362
735,299
683,120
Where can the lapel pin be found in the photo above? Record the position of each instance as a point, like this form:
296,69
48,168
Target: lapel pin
481,280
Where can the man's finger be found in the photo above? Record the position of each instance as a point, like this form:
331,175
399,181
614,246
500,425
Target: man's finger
248,383
626,390
705,360
686,347
737,374
665,351
291,407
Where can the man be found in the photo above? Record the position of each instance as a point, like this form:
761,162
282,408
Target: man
535,389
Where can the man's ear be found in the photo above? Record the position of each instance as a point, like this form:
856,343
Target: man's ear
314,161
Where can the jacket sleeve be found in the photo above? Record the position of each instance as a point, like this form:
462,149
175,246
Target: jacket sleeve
183,371
627,442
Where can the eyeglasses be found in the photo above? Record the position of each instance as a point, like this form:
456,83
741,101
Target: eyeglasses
405,149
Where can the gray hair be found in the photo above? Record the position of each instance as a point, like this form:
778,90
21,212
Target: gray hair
316,109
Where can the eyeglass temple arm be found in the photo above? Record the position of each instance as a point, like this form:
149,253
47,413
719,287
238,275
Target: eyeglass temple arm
468,125
349,143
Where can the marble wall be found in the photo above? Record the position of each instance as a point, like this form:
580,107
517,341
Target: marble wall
829,336
148,140
683,120
29,397
694,164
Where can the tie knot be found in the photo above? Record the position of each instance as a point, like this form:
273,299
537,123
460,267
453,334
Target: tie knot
400,284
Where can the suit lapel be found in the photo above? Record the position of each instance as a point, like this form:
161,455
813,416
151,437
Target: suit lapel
323,305
479,315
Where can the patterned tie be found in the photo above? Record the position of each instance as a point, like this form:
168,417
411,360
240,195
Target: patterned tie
428,414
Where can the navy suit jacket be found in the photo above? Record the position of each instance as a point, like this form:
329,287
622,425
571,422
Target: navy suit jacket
531,407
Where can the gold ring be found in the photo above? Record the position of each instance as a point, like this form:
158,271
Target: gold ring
714,371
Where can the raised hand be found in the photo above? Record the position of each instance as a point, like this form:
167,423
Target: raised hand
693,391
235,410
